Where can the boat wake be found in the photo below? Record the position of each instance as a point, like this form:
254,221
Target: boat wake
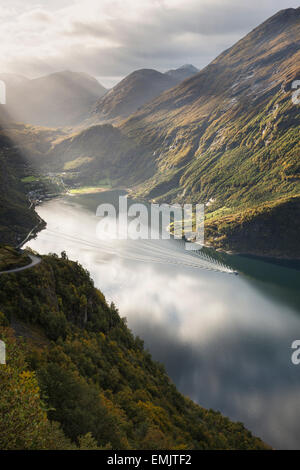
152,251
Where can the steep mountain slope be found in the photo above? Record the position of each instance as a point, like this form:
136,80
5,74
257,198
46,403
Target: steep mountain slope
59,99
16,218
229,136
24,424
182,73
96,153
94,375
132,92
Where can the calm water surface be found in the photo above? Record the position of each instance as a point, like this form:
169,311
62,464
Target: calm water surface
225,340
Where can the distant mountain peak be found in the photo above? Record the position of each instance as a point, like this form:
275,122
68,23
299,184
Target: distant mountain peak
282,18
188,67
182,72
287,12
133,91
58,99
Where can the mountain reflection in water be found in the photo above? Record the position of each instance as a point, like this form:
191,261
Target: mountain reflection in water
225,340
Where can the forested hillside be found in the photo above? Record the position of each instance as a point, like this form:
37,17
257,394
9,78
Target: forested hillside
82,379
16,217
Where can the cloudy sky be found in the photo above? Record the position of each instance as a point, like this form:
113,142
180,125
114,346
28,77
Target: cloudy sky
110,38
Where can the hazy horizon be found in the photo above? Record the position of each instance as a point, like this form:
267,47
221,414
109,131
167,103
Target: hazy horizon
108,39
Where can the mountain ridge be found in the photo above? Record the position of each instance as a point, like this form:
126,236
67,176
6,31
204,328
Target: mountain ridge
183,72
229,133
58,99
137,88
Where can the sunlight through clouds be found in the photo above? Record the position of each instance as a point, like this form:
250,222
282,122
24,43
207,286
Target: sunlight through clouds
110,38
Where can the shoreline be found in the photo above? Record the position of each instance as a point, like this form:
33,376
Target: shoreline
94,190
87,190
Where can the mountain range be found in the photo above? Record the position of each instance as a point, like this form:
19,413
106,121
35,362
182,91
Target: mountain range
68,98
136,89
58,99
227,136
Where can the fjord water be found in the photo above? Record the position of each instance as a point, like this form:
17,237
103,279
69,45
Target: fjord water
225,340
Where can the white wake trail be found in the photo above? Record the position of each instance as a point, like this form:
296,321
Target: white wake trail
154,251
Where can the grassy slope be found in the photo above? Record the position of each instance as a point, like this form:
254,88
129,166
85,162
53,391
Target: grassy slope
95,375
97,153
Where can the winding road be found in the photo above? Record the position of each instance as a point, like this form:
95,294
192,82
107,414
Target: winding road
34,261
